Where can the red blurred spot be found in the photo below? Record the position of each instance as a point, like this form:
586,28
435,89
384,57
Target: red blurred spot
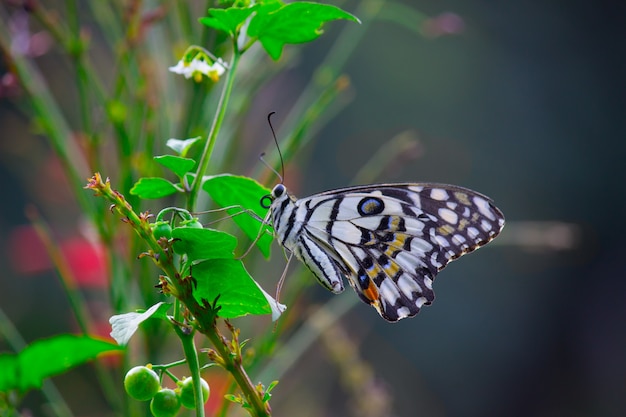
444,24
9,85
29,256
218,384
86,261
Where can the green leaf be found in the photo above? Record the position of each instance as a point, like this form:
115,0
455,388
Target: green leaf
271,386
227,20
297,22
125,325
153,188
203,243
177,164
48,357
231,190
234,398
10,375
181,146
267,395
238,293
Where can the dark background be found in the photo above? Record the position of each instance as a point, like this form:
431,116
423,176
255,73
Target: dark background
526,104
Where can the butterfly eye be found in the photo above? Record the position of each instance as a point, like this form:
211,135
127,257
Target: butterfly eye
278,190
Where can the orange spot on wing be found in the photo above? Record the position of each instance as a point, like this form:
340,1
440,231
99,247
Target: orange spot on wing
371,293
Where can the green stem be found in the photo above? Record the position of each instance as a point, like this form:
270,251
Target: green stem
215,128
232,363
169,365
191,354
171,375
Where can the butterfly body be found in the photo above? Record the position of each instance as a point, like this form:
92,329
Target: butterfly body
388,240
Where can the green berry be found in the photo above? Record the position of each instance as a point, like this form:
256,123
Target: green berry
165,403
193,224
141,383
186,392
161,229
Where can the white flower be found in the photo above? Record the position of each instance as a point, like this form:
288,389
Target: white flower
199,67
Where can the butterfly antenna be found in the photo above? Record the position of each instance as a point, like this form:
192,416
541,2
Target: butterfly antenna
280,154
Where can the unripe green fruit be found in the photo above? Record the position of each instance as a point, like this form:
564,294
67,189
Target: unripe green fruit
186,392
165,403
161,229
141,383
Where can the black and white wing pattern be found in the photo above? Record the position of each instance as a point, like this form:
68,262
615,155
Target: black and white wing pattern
389,240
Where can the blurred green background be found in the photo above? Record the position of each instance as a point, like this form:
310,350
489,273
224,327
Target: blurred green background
522,101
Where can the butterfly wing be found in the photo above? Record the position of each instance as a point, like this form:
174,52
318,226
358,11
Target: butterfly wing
390,241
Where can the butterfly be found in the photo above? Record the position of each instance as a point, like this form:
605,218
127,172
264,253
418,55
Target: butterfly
388,240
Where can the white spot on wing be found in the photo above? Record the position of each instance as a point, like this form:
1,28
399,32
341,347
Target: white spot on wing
428,282
403,312
434,262
442,241
473,232
410,260
415,198
485,225
408,286
448,215
389,291
458,239
484,208
420,302
413,226
420,245
439,194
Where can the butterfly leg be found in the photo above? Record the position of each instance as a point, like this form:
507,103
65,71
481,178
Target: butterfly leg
281,281
264,222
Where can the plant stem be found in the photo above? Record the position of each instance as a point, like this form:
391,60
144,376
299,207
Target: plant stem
191,354
169,365
232,363
215,128
181,288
